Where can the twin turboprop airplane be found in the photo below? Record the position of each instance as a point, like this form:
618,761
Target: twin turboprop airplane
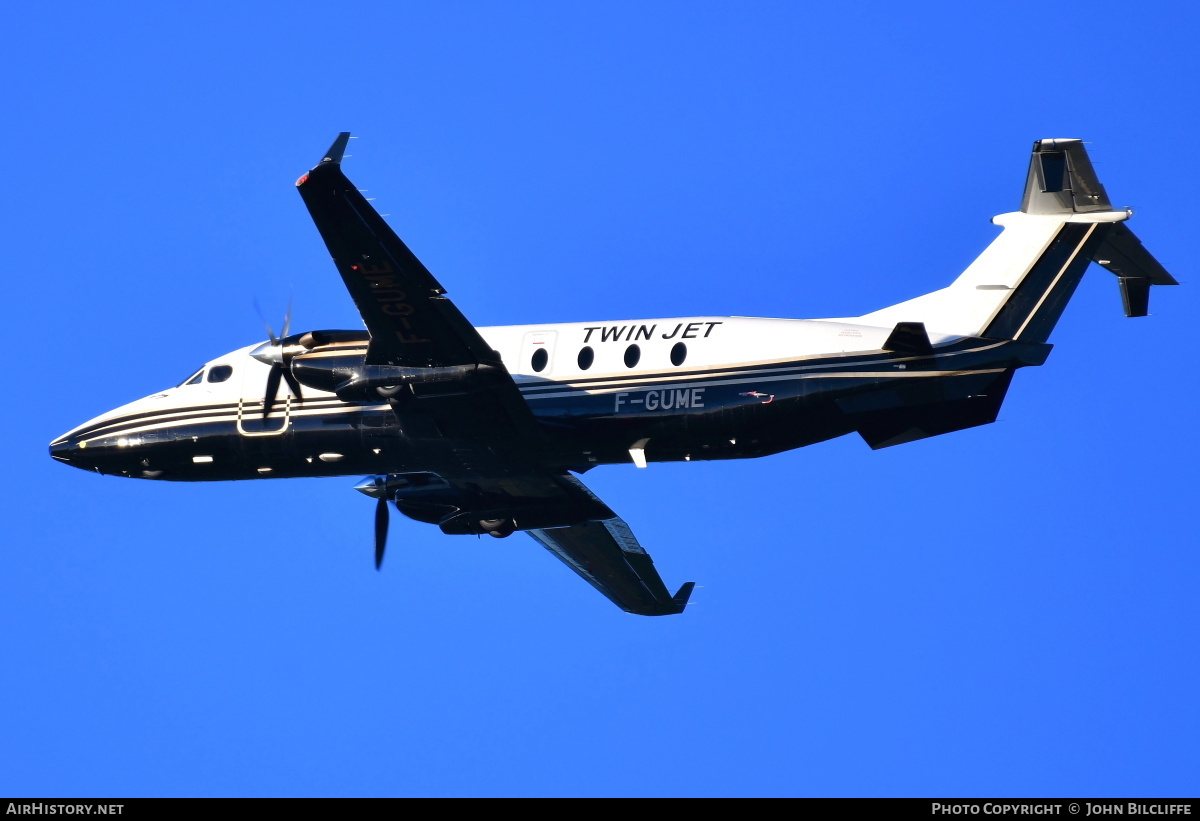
479,430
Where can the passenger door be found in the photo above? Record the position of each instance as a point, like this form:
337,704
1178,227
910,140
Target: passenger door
250,418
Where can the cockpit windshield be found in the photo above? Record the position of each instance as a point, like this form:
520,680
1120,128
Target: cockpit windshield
194,379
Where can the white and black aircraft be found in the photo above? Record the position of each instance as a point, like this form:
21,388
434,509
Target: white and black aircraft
480,430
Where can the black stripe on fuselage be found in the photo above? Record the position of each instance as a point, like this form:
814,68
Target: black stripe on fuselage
183,412
1035,305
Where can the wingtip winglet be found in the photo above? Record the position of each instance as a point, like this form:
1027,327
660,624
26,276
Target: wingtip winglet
333,157
335,152
680,599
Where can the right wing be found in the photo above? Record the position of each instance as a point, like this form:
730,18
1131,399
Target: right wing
608,556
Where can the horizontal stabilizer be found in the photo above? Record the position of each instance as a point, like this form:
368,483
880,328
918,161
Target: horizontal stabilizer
1062,181
1123,254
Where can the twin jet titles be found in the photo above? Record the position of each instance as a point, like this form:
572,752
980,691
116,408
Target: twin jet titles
628,333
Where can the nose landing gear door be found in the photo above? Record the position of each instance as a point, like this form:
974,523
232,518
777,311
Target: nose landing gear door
250,418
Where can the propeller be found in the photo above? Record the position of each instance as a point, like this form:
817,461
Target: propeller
377,486
381,528
271,353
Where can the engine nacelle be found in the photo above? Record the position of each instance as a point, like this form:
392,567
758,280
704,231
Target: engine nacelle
369,382
502,521
427,497
353,381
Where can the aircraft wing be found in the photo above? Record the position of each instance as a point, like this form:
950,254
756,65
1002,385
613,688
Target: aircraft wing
608,556
403,306
491,471
482,443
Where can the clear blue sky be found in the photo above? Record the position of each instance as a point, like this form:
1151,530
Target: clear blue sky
1009,610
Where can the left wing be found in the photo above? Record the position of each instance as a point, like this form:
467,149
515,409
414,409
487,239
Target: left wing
410,320
608,556
606,553
557,510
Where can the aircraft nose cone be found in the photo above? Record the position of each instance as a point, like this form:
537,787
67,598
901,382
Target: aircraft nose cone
64,450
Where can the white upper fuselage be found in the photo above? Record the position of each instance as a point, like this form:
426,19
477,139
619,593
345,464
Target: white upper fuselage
711,342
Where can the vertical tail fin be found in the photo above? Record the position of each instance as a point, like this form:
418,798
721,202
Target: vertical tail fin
1018,287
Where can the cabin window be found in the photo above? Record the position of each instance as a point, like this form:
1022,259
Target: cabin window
539,359
632,354
194,379
219,373
586,357
678,354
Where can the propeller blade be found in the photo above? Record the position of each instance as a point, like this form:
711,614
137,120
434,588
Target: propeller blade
293,384
270,333
275,357
381,528
273,377
287,321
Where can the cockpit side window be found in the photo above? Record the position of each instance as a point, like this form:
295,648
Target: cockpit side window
194,379
219,373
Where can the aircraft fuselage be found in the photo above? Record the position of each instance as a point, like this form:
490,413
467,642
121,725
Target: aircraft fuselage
710,405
